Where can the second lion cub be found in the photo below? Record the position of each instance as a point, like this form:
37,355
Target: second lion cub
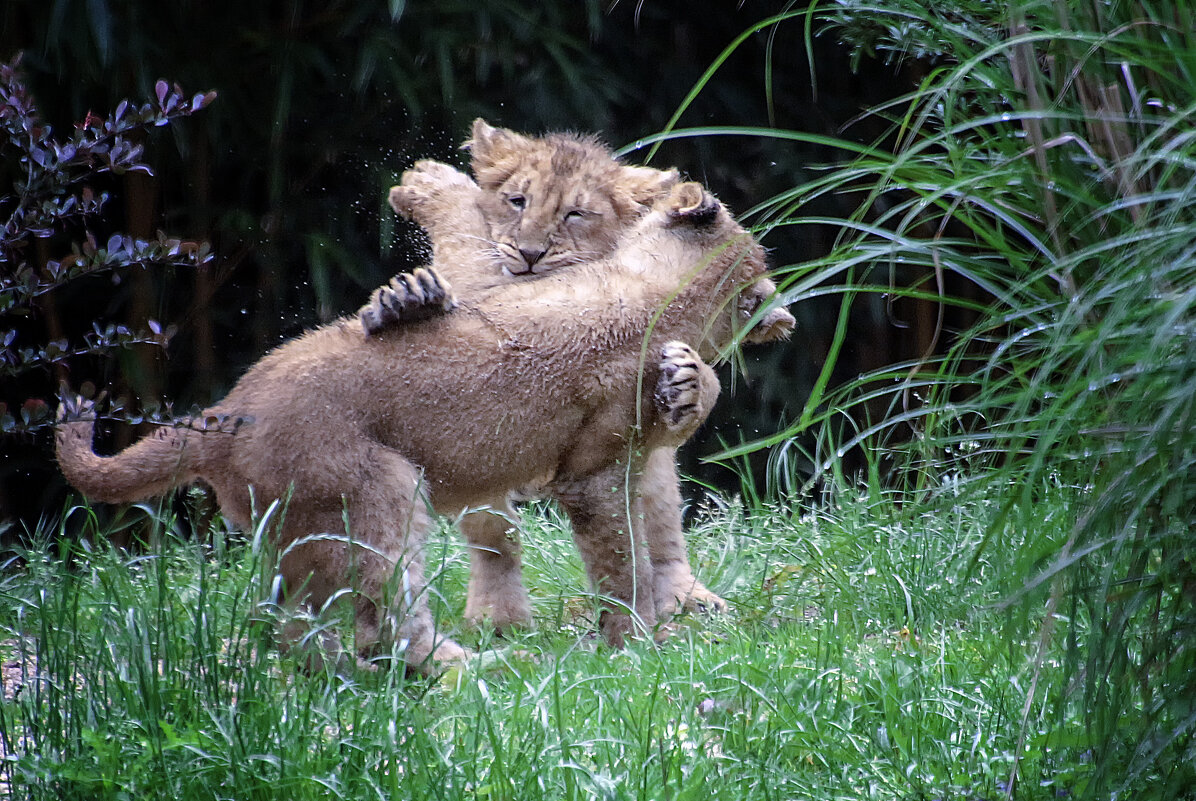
555,201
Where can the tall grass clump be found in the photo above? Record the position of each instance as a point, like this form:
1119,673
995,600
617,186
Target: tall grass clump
1047,158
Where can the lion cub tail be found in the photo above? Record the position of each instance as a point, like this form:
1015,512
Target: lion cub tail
168,458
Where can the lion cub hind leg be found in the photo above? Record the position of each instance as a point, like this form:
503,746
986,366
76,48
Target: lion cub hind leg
496,592
409,297
389,512
379,560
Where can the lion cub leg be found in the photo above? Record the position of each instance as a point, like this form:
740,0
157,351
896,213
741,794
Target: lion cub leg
389,512
379,559
685,393
608,532
444,201
496,591
674,584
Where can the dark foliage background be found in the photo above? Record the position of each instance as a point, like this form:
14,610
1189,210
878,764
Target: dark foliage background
322,105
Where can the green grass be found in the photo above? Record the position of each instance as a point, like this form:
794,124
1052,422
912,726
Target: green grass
862,659
1041,178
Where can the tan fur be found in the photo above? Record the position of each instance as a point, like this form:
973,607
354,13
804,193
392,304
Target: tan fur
339,422
552,176
556,200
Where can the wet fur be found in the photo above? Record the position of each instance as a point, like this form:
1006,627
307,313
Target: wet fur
338,422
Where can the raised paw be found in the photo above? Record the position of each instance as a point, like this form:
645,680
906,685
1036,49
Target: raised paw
691,204
422,183
432,175
679,389
776,324
408,297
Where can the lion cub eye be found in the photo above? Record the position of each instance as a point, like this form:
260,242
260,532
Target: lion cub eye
574,214
518,201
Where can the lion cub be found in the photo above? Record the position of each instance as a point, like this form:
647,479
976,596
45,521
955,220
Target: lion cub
545,203
363,435
548,203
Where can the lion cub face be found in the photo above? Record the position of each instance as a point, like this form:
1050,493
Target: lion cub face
556,200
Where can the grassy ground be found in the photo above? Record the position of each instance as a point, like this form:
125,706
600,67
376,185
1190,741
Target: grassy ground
865,657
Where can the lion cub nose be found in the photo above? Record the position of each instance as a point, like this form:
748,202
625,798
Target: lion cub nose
532,255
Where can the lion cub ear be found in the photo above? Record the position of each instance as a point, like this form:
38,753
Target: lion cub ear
646,185
494,153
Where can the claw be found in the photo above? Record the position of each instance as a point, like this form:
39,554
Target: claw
677,389
408,297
